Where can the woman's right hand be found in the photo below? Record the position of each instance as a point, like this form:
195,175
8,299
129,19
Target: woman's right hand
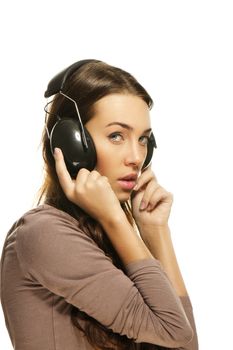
90,191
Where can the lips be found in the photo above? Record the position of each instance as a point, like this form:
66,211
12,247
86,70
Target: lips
128,182
129,177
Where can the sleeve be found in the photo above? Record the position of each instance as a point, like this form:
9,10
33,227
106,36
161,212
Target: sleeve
140,304
193,344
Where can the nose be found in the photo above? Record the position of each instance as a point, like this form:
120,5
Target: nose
136,154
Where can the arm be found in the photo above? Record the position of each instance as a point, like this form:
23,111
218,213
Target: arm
159,242
131,248
152,222
63,259
160,318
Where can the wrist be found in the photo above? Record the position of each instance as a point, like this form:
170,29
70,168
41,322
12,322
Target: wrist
158,241
113,221
153,228
155,235
127,243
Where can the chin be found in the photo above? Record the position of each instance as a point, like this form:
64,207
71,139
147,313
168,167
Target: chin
123,197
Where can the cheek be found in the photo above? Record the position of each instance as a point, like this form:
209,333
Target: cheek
105,156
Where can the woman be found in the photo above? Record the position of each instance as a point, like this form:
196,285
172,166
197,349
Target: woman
93,265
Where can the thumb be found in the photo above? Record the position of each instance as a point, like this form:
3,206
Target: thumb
62,172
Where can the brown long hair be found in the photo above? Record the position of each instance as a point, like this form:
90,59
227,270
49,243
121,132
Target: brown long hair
86,86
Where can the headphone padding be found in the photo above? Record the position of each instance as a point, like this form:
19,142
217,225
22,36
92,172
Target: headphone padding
66,136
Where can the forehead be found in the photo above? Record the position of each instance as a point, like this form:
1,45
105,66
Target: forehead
123,108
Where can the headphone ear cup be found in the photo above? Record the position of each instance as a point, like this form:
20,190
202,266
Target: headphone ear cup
150,150
66,135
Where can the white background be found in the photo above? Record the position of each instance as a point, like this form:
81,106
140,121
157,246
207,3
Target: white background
182,52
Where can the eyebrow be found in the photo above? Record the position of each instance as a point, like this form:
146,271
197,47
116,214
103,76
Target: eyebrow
126,126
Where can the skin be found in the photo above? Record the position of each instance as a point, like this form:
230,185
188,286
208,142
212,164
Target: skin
120,151
118,156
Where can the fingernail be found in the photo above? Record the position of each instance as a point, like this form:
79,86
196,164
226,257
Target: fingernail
143,205
56,151
135,188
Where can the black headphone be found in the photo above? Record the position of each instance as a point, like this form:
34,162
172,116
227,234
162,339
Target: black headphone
71,136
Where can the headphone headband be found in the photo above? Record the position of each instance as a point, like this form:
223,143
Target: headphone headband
57,83
72,137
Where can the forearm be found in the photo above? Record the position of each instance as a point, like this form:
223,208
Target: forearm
128,245
159,242
131,248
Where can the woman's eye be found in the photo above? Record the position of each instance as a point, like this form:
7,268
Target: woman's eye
145,140
115,136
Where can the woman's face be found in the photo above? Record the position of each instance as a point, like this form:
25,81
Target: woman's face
120,129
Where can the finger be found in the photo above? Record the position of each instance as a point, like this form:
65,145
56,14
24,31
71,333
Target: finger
150,189
94,175
81,177
62,172
159,195
103,179
92,178
144,178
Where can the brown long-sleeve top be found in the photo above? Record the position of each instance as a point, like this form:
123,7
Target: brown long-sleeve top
49,264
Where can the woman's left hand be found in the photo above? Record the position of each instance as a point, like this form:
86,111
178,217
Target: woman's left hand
156,201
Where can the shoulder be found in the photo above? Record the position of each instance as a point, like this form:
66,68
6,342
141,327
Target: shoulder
47,237
45,217
44,224
47,214
50,245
